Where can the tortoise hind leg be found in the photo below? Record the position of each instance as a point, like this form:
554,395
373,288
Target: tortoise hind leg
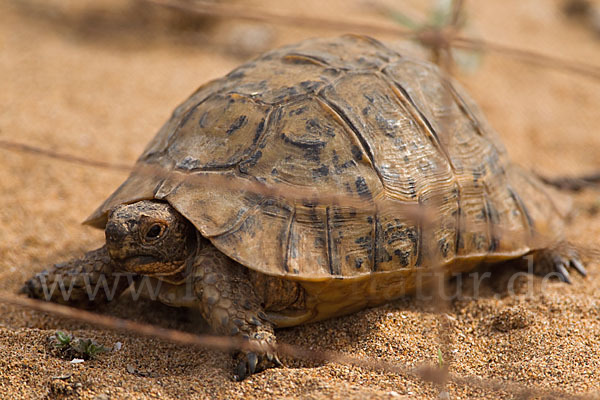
83,282
558,261
230,305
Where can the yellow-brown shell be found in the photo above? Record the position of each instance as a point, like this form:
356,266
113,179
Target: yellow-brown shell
347,116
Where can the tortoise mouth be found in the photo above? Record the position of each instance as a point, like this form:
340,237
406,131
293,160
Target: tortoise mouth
136,263
148,265
139,260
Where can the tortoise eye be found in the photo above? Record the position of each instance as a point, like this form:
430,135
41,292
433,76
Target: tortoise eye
155,232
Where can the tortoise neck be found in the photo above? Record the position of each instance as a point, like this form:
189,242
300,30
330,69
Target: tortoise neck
196,243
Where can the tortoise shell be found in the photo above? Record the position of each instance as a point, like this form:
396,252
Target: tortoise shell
349,116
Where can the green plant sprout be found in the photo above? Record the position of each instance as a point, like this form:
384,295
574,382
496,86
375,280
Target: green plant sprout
70,345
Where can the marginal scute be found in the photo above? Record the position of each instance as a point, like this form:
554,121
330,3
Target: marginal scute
298,164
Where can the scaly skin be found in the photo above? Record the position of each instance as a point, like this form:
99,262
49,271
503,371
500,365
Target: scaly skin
82,282
175,254
152,240
230,305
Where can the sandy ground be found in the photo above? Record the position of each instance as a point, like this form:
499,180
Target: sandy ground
102,92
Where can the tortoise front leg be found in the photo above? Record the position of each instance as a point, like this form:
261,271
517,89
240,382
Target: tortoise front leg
231,307
83,282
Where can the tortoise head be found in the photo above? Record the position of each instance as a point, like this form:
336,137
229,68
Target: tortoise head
149,238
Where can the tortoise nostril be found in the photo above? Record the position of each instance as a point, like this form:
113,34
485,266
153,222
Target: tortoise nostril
115,233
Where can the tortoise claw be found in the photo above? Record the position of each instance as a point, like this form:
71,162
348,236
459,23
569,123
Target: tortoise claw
575,263
240,371
563,274
274,359
250,363
557,262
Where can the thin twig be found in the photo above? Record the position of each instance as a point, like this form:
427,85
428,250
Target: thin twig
457,13
25,148
573,183
428,39
237,11
530,57
223,343
410,210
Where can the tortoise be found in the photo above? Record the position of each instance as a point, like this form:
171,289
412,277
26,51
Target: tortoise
348,116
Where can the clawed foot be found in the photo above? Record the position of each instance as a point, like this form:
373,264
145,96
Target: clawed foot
250,362
33,287
559,261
